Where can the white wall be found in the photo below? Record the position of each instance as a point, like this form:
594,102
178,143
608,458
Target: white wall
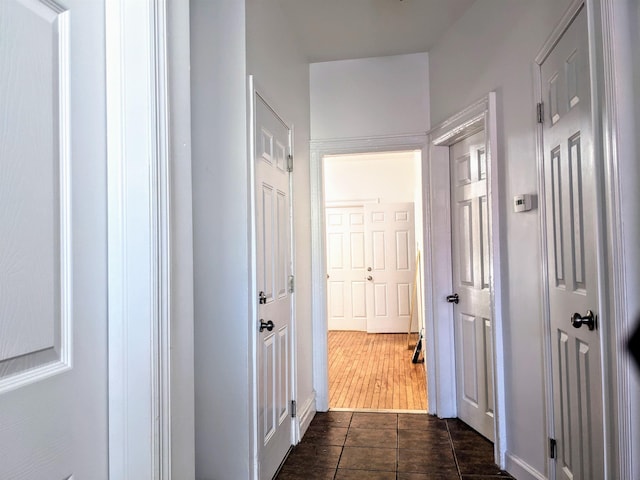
387,177
281,74
182,374
492,47
220,239
370,97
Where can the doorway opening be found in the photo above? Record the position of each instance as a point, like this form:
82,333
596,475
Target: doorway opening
373,224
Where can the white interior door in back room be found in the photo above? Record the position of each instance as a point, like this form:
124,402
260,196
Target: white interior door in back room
53,241
390,251
346,269
370,267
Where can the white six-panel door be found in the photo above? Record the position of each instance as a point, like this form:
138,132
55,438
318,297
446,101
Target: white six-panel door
53,277
346,269
273,254
471,284
571,252
390,252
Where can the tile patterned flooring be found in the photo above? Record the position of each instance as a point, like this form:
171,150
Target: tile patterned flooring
387,446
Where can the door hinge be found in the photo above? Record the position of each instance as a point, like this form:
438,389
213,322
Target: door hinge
294,407
290,163
291,284
540,112
552,447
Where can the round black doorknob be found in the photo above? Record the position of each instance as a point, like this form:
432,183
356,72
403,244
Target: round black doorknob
268,325
453,298
577,320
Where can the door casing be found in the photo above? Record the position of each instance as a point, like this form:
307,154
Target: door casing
320,149
138,178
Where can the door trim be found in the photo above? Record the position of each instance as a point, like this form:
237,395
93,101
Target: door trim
473,119
139,245
612,302
319,149
254,89
616,115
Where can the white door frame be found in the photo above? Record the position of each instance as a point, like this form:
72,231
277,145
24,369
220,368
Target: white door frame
610,34
619,404
253,90
480,116
139,246
319,149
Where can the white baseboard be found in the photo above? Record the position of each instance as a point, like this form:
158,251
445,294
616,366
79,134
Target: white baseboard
306,412
521,470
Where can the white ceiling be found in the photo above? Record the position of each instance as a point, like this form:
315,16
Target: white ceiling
342,29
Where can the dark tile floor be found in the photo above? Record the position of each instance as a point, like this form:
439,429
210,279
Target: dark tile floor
390,446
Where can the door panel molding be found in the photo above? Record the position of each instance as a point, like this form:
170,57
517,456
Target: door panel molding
477,117
319,149
37,331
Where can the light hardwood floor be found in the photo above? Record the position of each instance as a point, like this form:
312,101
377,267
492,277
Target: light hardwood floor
374,371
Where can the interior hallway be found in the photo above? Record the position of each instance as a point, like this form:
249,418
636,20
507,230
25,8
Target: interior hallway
374,371
389,446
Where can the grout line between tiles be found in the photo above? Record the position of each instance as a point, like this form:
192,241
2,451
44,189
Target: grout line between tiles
453,449
344,444
397,445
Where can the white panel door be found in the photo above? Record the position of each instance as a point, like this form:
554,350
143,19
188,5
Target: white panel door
53,277
273,269
571,251
471,263
346,269
390,251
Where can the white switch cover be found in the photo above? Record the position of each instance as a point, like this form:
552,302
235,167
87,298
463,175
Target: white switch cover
522,203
